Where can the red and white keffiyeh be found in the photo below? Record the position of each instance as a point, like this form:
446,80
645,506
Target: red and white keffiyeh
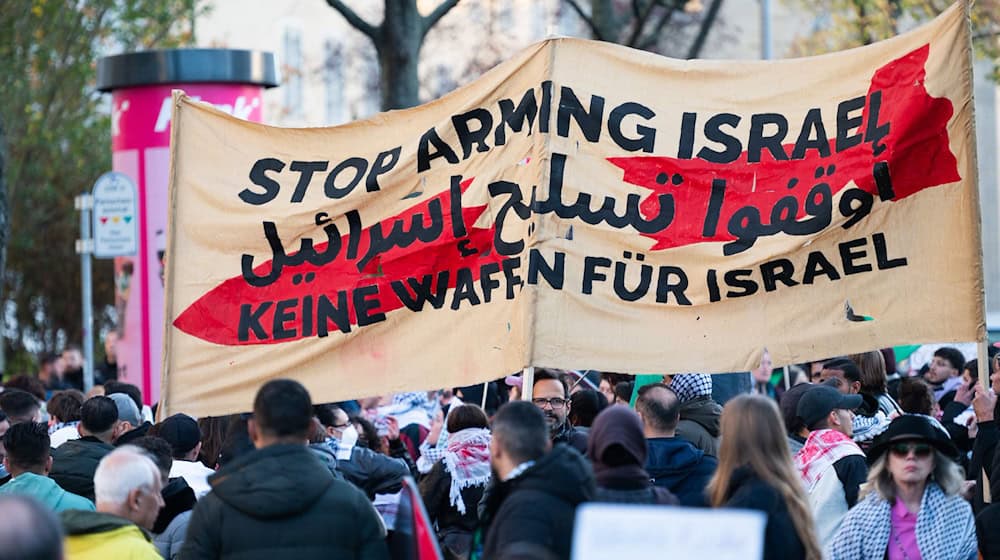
468,461
822,449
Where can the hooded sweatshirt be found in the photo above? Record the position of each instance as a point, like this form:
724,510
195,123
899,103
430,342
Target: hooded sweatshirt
282,502
92,535
539,506
617,449
680,467
45,490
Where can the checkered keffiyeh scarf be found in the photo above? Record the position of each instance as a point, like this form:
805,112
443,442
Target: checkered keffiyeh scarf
690,386
468,462
945,528
822,449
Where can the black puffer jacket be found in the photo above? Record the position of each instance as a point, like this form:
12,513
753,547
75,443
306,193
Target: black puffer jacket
74,463
539,506
282,502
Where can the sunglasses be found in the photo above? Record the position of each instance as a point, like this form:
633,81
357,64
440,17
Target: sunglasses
920,450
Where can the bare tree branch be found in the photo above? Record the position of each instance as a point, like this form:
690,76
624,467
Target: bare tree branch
653,37
640,22
438,13
354,19
587,19
706,26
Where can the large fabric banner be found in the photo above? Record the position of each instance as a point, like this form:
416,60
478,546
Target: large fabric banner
582,205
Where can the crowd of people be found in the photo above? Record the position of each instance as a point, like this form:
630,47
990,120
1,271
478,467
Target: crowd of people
849,459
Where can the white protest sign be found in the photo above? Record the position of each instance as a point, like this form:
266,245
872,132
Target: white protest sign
650,531
115,231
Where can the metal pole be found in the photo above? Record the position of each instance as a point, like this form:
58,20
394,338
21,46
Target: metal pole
527,383
85,247
765,30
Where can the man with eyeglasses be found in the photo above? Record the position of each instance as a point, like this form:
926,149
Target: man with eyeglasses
551,394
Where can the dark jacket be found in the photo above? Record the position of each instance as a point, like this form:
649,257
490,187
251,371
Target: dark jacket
178,497
454,529
682,468
539,506
699,424
133,434
281,502
781,541
74,463
571,436
617,450
373,472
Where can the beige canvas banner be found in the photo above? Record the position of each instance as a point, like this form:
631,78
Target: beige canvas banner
582,205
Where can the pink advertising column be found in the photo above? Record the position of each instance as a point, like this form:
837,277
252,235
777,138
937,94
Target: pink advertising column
140,84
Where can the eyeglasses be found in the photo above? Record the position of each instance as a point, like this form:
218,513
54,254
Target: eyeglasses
920,450
555,403
341,426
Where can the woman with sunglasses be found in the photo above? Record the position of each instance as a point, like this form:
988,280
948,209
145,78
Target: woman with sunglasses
911,507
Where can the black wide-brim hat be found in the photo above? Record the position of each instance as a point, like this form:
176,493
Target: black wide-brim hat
913,427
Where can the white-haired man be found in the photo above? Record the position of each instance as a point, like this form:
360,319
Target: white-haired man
127,487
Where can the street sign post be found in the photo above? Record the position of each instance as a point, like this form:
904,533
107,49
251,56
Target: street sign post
114,215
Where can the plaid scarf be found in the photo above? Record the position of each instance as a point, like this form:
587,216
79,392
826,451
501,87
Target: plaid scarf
467,459
822,449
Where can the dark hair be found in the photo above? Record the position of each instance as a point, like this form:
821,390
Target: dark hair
662,414
20,406
368,434
613,378
66,405
236,443
283,408
327,414
520,429
542,374
159,451
98,414
623,390
48,359
27,445
213,432
954,357
466,416
846,365
915,396
133,392
27,383
586,405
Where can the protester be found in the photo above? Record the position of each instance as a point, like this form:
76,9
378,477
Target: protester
20,406
795,428
74,462
988,521
50,372
699,414
538,487
984,455
28,461
912,507
107,370
551,395
868,420
182,433
29,531
142,424
28,384
64,416
609,380
130,424
831,465
213,432
756,472
127,485
584,406
762,377
944,374
179,500
455,485
874,381
672,463
372,472
961,407
617,450
315,515
623,392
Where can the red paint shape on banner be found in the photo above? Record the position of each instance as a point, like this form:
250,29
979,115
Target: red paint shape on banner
216,316
916,150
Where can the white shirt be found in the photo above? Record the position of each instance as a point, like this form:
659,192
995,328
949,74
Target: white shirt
195,473
62,435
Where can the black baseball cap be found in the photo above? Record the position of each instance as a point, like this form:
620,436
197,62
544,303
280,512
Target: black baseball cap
820,400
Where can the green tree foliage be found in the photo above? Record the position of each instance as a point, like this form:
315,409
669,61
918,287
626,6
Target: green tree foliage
56,129
842,24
